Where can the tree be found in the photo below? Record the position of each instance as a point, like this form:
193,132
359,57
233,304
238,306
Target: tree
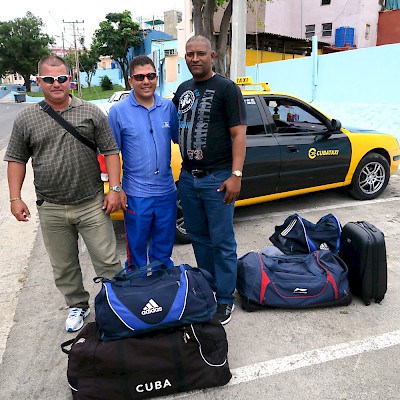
22,45
115,37
88,60
203,21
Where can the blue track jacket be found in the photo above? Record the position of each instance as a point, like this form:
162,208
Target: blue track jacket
144,139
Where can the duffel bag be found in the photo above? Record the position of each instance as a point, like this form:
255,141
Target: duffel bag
297,235
151,298
317,279
155,364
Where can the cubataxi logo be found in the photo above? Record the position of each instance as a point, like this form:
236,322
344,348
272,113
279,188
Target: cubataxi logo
151,307
150,386
313,153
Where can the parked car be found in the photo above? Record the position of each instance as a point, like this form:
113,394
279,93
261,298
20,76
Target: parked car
293,148
117,96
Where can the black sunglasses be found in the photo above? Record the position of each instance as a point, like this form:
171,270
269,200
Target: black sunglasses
140,77
50,79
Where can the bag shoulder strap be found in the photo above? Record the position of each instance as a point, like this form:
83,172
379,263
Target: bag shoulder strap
65,124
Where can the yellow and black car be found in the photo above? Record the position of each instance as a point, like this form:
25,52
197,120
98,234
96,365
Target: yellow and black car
293,148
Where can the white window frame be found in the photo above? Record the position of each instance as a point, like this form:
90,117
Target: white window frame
326,32
367,31
310,32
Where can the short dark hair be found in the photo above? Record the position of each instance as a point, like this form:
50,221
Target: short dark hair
199,38
52,60
140,60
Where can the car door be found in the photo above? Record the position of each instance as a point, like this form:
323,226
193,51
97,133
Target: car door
262,162
312,154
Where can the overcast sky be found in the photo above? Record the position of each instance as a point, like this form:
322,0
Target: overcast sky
91,12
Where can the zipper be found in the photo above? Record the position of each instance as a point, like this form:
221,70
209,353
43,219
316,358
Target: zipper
154,141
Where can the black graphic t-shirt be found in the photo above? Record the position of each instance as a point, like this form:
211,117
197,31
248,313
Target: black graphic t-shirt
206,111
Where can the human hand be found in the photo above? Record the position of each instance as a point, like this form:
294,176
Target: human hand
232,189
20,211
124,200
111,202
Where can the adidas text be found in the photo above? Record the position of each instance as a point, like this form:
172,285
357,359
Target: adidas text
150,386
151,307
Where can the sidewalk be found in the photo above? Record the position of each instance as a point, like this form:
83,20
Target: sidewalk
342,353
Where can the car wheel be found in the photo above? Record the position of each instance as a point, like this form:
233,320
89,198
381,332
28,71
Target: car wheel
370,178
181,235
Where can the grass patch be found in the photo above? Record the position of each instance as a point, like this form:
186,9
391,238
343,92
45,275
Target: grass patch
96,93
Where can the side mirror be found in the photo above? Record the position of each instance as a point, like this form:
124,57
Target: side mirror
334,125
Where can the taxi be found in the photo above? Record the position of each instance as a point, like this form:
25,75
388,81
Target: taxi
293,149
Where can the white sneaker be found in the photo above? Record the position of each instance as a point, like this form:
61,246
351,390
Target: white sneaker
75,318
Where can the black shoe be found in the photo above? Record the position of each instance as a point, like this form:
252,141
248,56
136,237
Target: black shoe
224,312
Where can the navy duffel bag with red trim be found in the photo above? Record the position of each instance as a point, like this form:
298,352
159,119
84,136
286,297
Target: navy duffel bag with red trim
318,279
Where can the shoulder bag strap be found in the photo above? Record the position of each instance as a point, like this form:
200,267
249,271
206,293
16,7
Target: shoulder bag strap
65,124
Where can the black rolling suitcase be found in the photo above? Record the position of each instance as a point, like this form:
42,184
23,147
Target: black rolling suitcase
362,248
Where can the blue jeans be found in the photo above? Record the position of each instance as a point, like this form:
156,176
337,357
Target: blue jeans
154,219
209,223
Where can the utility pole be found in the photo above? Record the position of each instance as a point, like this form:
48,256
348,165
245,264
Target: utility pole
76,55
238,63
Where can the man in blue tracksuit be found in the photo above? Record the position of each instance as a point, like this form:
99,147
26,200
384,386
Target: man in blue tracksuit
144,125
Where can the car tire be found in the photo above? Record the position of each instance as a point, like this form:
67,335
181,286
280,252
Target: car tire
370,178
181,235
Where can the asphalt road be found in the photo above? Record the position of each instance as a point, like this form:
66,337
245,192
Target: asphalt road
344,353
8,112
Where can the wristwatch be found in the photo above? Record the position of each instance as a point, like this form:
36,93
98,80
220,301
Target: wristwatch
115,188
237,173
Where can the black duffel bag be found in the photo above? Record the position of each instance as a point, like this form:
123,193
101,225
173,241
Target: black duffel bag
155,364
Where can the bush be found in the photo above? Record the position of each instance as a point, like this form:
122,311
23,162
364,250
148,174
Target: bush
105,83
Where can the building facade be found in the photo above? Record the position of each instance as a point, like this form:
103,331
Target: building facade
352,22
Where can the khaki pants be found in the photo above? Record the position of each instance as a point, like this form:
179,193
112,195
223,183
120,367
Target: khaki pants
60,225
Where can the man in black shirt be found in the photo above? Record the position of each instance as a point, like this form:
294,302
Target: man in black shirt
212,135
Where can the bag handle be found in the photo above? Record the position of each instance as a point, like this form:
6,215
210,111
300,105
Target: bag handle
273,262
126,274
339,228
65,345
310,244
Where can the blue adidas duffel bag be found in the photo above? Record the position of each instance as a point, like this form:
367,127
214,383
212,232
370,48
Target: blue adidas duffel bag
153,298
297,235
317,279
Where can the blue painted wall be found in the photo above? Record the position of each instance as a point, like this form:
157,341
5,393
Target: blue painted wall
368,75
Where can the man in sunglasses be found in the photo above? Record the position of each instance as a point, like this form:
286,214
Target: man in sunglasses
68,187
212,119
144,125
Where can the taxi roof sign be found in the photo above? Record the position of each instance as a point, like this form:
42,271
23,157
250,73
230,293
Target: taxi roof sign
248,81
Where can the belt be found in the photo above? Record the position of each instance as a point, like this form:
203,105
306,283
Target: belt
198,173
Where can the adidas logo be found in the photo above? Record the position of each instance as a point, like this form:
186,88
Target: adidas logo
151,307
323,246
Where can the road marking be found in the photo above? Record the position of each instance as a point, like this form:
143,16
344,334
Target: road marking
314,357
314,209
308,358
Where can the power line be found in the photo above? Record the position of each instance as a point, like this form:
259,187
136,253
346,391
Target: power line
73,23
